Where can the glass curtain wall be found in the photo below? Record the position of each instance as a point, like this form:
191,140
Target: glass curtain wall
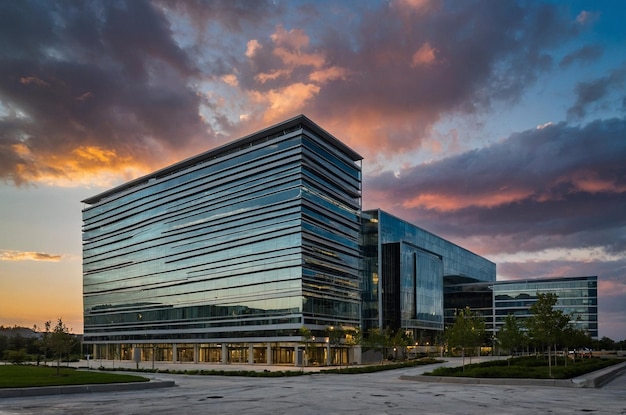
403,271
331,209
243,243
576,296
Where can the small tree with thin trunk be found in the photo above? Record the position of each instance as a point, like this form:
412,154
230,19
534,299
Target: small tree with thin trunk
511,336
546,325
467,331
60,342
377,340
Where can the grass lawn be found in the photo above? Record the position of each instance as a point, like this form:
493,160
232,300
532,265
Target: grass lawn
529,367
21,376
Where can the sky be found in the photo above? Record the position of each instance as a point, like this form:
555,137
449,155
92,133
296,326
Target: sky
498,125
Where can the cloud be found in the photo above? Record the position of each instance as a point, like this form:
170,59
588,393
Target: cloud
6,255
99,75
559,186
286,101
425,55
586,17
595,91
585,54
156,81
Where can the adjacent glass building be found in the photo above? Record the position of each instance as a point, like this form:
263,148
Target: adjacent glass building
403,272
576,297
225,256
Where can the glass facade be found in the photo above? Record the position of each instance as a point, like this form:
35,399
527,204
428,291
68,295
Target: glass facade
576,296
403,271
245,243
225,256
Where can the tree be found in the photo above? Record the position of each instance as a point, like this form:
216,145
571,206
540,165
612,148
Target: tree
546,325
575,338
335,337
467,331
511,336
353,337
378,340
60,342
605,343
307,337
399,341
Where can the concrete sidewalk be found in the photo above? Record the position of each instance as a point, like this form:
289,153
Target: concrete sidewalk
590,380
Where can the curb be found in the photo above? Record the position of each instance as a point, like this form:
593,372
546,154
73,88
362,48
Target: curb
69,389
595,379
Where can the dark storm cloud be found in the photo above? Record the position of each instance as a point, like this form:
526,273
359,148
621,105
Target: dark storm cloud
552,187
595,91
105,78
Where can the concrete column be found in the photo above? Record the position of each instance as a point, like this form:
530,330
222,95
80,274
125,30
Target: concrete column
251,353
196,352
328,356
269,353
355,355
174,353
296,356
224,353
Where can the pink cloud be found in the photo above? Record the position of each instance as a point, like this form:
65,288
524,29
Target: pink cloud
425,55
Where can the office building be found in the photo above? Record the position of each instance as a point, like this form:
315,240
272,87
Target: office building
576,297
403,272
225,256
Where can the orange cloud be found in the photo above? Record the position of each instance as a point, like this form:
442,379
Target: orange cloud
92,153
230,79
590,182
6,255
296,58
289,45
425,55
252,47
81,166
286,101
329,74
442,202
295,38
268,76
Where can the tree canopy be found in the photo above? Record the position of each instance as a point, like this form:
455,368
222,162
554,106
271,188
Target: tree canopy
467,331
546,325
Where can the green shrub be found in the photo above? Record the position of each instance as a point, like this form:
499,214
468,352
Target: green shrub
15,356
525,367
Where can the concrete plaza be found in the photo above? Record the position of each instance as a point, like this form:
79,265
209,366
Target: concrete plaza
319,393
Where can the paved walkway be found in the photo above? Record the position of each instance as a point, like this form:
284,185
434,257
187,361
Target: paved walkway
375,393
